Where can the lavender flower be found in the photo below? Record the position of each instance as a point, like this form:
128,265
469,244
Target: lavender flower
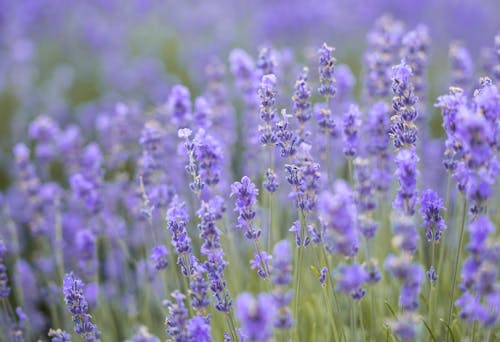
266,61
256,316
384,41
351,127
350,278
337,213
411,276
73,288
159,257
246,196
271,181
415,49
326,71
198,329
405,326
177,319
202,112
403,130
179,106
4,289
302,101
281,277
406,172
462,65
267,93
430,209
198,285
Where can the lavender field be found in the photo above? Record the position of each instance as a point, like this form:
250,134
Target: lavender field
249,171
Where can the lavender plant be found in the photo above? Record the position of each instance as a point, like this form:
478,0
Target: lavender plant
361,213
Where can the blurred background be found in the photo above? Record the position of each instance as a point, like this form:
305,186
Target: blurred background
73,59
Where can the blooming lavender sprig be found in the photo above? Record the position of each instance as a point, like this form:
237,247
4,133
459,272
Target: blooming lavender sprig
406,172
266,61
267,110
246,196
179,106
4,289
377,146
479,301
403,130
271,182
338,215
256,316
177,318
411,276
302,102
415,50
159,257
384,44
350,279
431,206
73,288
177,220
326,71
198,285
281,277
449,105
215,264
365,197
304,176
351,127
462,65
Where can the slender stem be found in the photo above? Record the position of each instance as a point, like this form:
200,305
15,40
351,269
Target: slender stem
457,259
232,328
361,323
353,329
350,170
298,268
327,157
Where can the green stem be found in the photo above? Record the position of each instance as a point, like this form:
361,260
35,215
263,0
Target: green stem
457,259
297,280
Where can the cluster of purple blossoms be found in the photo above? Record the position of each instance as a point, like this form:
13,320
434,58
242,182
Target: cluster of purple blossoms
266,61
304,176
256,315
59,336
411,276
4,288
377,146
365,197
179,106
384,44
302,102
350,279
177,220
143,335
73,290
326,71
287,140
338,215
181,327
159,257
431,206
267,93
281,276
480,300
246,197
462,65
415,50
351,128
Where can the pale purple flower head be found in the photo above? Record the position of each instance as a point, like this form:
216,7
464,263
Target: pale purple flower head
256,315
350,279
338,215
431,206
326,71
179,106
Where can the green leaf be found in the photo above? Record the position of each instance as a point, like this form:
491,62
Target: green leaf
449,328
429,330
390,308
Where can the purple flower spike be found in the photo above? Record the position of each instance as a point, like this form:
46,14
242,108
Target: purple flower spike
350,279
256,316
73,288
430,209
